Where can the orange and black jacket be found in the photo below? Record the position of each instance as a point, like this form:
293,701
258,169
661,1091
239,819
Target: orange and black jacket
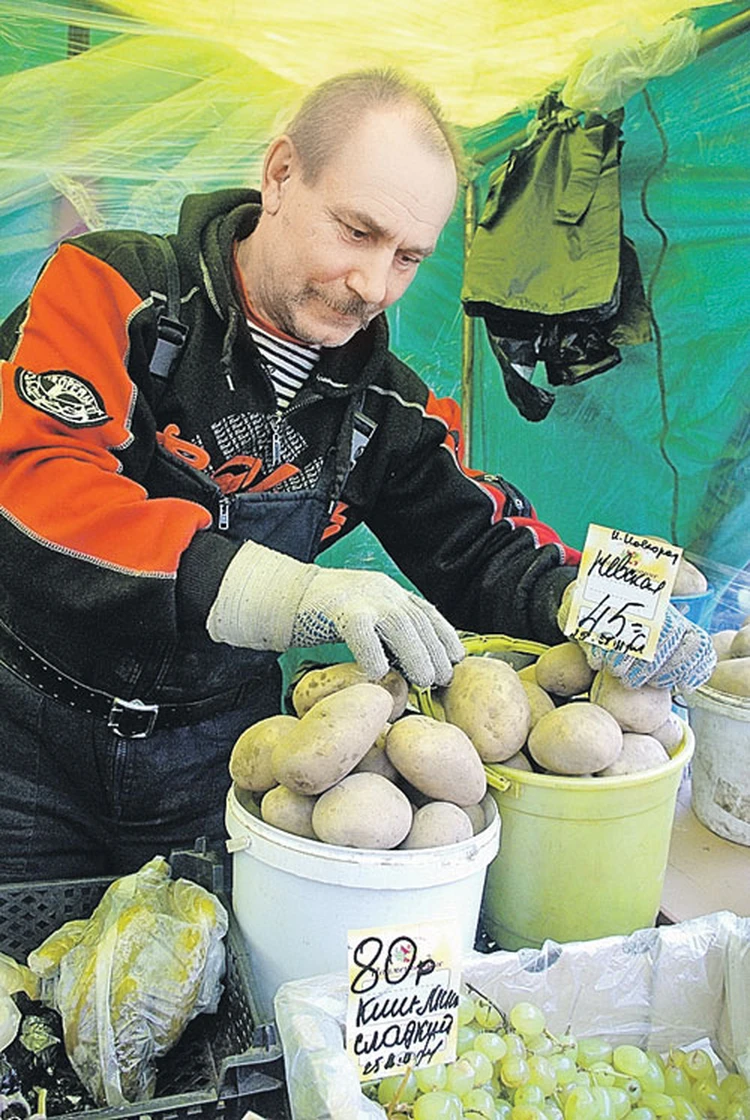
113,487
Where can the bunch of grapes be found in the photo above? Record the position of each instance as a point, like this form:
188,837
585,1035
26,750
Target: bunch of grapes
511,1067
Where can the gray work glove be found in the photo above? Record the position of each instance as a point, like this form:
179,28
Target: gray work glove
684,659
268,600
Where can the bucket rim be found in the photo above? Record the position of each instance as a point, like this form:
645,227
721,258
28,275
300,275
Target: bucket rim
713,698
500,777
464,852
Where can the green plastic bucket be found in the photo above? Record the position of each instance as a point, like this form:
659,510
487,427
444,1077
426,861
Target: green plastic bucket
579,858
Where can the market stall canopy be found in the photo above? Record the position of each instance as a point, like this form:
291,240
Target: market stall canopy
111,112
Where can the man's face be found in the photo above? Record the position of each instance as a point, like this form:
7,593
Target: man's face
341,249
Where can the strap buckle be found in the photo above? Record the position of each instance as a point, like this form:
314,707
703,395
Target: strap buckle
132,719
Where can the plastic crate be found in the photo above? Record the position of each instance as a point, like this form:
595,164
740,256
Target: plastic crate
227,1065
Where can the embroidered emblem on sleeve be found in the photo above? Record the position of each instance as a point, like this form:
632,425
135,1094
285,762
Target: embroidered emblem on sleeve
62,394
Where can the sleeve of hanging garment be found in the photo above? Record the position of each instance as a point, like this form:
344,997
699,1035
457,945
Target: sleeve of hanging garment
470,541
74,512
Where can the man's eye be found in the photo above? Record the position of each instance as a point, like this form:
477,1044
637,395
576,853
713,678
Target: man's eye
357,234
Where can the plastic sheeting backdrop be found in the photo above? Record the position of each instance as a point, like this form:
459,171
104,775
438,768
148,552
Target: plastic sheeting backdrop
112,112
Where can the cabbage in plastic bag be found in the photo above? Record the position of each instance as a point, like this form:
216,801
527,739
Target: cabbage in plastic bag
148,960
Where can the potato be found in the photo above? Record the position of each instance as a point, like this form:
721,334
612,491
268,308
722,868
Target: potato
288,810
437,824
376,761
539,703
519,761
362,811
578,738
486,699
722,642
250,760
732,676
639,752
319,683
331,738
689,579
740,646
564,670
476,815
437,758
670,733
635,709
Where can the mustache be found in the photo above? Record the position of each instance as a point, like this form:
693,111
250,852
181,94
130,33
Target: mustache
353,307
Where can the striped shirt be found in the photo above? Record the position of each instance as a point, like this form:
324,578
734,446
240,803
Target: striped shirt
287,362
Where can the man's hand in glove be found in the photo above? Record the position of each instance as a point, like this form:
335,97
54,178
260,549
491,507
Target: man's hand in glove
684,657
268,600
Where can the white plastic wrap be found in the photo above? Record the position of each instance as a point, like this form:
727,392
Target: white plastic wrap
656,988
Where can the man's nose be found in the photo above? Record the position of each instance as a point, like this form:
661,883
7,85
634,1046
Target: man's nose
369,278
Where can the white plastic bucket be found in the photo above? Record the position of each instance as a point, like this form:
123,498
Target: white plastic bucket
721,763
296,899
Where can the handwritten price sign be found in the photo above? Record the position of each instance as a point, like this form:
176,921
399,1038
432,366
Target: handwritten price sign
621,595
403,997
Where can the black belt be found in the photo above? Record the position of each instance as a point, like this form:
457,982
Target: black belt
129,719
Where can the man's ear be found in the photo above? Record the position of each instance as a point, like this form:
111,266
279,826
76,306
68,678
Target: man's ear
280,162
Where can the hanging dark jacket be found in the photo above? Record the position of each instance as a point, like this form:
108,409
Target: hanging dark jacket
116,497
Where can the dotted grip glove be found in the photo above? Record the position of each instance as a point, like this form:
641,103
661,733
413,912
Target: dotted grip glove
684,659
268,600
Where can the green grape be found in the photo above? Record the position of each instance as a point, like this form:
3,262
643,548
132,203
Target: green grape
403,1086
514,1044
633,1088
583,1077
553,1111
684,1109
620,1101
491,1044
652,1078
543,1073
465,1037
738,1108
705,1097
514,1071
731,1086
659,1103
527,1018
641,1113
564,1066
503,1109
526,1112
592,1050
569,1044
698,1065
655,1056
676,1081
581,1104
630,1059
465,1010
431,1077
481,1065
529,1094
459,1077
605,1107
487,1016
542,1044
479,1103
603,1073
438,1105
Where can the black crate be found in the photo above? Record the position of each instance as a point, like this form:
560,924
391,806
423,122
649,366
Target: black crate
225,1065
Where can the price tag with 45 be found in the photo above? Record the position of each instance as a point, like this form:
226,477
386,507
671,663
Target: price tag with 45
622,592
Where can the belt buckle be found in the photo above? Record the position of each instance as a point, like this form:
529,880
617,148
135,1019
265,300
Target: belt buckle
132,719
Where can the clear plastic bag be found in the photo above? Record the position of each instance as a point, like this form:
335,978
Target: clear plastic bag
127,981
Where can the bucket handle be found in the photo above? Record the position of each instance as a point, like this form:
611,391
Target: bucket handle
497,781
238,844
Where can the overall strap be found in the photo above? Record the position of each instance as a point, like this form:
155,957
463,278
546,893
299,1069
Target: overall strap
171,332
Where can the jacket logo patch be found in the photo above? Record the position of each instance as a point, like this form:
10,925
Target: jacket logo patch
62,394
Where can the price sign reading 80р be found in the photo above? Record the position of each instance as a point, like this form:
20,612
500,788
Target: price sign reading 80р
622,592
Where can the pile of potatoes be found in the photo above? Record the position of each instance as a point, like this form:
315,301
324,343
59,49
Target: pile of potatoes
356,766
732,672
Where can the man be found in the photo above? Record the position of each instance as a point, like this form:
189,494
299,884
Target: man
159,526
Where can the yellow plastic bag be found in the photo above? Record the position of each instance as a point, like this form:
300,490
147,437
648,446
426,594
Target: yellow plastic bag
149,959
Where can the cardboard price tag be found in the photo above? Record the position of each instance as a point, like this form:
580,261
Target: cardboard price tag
402,1010
622,591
